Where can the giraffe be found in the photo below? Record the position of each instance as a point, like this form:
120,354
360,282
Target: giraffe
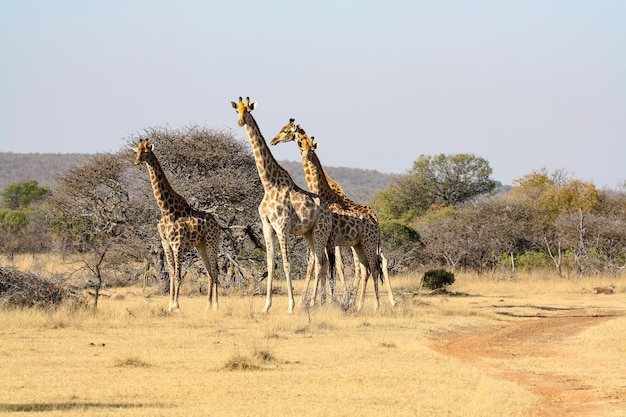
348,214
181,227
286,208
286,134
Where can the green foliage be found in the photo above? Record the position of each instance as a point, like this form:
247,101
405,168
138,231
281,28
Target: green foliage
18,200
20,195
527,261
438,278
554,194
450,180
398,235
441,181
531,261
397,202
13,219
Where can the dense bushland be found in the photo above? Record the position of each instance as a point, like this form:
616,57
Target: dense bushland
446,212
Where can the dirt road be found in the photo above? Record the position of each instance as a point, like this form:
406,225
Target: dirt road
500,348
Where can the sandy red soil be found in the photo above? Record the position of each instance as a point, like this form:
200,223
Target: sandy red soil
491,346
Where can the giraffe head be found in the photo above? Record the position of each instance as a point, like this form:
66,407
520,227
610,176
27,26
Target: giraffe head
287,133
242,107
142,151
306,143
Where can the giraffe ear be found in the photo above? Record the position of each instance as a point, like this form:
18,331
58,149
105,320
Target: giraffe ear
151,146
253,105
234,105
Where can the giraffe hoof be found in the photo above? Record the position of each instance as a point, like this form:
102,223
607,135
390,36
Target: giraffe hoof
209,306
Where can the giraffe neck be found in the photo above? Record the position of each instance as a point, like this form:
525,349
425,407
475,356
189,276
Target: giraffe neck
168,200
316,179
270,172
328,189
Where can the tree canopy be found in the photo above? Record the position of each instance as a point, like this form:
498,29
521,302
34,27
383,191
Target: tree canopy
20,195
441,181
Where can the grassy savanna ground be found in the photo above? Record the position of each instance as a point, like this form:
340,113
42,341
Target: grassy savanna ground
131,358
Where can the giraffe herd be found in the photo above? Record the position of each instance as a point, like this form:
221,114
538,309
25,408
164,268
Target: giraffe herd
322,215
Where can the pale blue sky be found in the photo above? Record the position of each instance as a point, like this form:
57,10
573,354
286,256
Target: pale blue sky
523,84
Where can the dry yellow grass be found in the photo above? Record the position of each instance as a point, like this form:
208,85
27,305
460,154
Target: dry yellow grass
131,358
45,264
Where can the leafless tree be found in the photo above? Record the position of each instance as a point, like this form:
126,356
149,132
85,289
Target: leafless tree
90,213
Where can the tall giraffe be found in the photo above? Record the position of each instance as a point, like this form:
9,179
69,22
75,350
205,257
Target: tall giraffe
352,217
286,134
181,227
286,208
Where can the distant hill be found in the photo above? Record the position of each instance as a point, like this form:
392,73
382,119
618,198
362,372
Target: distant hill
43,167
361,185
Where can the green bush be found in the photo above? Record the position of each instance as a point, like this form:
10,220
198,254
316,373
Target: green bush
530,261
438,278
398,235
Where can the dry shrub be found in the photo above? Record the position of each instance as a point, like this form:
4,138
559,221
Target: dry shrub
253,360
26,290
131,362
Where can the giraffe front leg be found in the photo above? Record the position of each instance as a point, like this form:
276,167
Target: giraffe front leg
361,292
339,268
283,240
171,270
358,269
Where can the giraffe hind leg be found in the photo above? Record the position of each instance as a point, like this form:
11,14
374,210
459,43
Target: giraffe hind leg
210,263
385,271
309,273
268,235
362,284
339,267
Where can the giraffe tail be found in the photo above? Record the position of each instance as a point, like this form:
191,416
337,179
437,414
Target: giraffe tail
381,264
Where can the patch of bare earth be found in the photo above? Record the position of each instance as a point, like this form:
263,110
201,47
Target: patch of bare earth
497,347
